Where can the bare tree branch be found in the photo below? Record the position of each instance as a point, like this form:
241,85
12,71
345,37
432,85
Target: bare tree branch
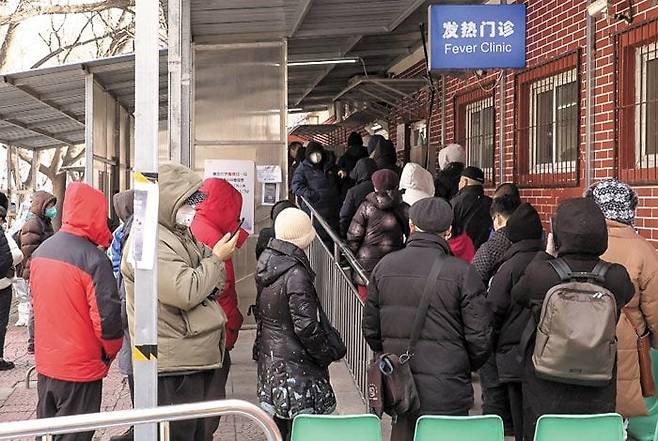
45,9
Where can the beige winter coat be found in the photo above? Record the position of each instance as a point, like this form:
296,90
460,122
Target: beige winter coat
190,325
640,258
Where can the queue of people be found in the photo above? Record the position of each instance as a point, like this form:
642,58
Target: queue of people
492,268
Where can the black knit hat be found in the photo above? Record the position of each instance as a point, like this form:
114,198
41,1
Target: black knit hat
474,173
524,224
354,139
4,202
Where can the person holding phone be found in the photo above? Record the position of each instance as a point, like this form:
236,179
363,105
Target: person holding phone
216,217
191,323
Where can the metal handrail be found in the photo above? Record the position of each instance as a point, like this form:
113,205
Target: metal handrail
46,428
338,242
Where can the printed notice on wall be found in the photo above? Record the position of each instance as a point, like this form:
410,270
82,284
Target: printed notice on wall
269,174
241,175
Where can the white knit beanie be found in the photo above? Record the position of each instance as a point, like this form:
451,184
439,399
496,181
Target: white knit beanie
294,226
451,153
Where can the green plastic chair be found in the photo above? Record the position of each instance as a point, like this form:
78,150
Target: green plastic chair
605,427
336,428
643,428
470,428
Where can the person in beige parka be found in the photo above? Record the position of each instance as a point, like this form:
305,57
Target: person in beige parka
618,202
190,321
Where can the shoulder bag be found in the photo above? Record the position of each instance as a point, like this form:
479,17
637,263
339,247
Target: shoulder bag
644,357
391,385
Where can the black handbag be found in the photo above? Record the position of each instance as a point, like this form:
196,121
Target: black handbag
391,385
335,345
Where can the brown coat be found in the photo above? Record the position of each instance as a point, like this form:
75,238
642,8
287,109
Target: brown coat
640,258
37,229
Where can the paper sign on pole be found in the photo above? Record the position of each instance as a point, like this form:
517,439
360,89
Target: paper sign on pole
145,222
241,175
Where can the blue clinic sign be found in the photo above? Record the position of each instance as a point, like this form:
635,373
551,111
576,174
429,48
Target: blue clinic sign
477,36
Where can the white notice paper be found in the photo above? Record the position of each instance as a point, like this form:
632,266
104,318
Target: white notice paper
269,174
241,175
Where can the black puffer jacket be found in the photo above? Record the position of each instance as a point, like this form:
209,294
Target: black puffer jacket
581,235
293,377
318,184
347,163
510,319
6,258
456,335
378,228
357,194
471,212
447,181
351,157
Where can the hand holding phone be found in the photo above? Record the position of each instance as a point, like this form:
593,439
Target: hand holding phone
225,247
238,228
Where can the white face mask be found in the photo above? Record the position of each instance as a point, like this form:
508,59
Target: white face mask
185,215
315,158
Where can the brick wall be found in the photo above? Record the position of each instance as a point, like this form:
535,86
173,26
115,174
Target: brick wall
555,27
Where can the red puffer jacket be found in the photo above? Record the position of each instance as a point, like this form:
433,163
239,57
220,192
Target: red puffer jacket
77,311
216,216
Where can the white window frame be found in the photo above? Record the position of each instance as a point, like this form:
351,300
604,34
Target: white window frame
537,88
643,55
472,157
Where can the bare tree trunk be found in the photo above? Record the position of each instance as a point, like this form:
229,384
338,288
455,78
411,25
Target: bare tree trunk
59,189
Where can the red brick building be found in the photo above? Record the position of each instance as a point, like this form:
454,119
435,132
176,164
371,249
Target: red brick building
544,127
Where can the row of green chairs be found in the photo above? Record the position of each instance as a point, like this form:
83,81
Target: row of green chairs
607,427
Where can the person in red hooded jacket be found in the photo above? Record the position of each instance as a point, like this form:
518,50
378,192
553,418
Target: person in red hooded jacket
216,216
77,310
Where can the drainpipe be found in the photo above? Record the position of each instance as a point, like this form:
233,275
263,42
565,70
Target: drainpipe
501,122
589,105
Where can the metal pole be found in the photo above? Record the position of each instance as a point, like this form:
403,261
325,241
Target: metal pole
35,169
10,170
589,106
89,129
186,85
443,110
501,123
175,86
146,161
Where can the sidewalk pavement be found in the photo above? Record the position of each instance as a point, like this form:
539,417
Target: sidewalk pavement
18,403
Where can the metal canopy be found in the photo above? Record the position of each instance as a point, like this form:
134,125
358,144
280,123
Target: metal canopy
380,32
383,91
45,108
311,130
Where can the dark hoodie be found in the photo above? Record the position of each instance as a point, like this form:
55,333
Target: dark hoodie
581,236
386,157
378,228
357,194
447,181
291,345
318,184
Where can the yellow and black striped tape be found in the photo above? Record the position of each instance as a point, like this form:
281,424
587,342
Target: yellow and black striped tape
145,352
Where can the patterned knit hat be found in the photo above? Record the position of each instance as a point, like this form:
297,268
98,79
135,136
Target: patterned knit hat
196,199
616,200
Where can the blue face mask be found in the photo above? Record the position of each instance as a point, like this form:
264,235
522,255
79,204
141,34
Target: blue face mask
51,212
